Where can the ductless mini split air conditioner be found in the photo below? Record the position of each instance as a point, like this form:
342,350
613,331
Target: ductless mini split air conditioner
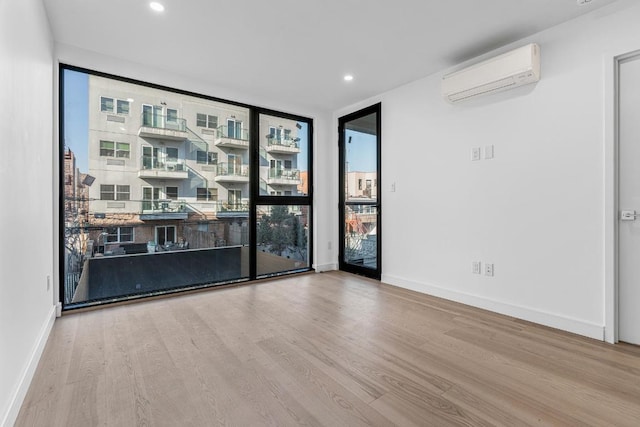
507,71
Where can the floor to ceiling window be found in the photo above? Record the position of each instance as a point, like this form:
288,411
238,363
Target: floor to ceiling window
158,197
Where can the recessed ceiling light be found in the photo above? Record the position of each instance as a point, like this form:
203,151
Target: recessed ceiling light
348,78
156,6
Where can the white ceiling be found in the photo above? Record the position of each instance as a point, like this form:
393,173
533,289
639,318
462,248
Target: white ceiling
296,51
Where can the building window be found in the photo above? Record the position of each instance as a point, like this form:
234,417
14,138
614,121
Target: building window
123,192
206,158
107,148
206,121
165,234
122,107
171,193
106,104
207,194
119,234
112,149
172,115
123,149
107,192
137,153
235,197
172,154
234,129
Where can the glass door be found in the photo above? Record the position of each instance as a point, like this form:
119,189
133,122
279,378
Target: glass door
359,143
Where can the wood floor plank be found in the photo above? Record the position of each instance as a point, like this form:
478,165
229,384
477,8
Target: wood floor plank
335,397
327,349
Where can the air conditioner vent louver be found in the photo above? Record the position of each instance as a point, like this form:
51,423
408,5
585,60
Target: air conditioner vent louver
509,70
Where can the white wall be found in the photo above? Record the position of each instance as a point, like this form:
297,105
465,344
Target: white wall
536,211
26,172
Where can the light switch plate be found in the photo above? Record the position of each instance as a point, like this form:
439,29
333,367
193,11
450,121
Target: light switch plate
488,152
476,267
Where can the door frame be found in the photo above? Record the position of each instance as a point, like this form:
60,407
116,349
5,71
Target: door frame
342,265
611,190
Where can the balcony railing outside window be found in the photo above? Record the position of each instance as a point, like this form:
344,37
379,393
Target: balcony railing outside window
273,140
231,206
164,206
232,132
153,163
157,121
290,174
232,169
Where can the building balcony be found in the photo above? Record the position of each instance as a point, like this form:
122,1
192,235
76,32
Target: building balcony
152,168
232,137
282,145
227,208
163,210
232,172
284,177
162,127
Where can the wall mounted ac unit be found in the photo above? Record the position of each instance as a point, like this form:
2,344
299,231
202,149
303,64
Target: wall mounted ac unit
507,71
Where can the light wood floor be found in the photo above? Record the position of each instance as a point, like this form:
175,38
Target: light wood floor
324,349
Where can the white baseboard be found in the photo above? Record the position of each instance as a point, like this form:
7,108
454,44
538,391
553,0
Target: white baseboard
556,321
321,268
20,392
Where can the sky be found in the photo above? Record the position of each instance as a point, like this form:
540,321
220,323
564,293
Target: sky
76,116
361,151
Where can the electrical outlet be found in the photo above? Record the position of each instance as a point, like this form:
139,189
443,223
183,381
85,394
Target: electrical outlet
48,283
476,267
488,269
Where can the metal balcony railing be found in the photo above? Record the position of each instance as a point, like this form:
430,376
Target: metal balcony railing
286,174
232,169
273,140
164,206
233,206
157,121
169,164
232,132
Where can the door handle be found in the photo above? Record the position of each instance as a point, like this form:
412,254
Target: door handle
628,215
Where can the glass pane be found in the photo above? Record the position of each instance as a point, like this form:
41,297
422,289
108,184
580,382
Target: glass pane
361,159
123,107
148,211
283,156
359,151
360,237
283,240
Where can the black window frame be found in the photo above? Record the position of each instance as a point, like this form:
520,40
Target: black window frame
251,126
104,192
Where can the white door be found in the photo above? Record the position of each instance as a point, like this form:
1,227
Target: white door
629,202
